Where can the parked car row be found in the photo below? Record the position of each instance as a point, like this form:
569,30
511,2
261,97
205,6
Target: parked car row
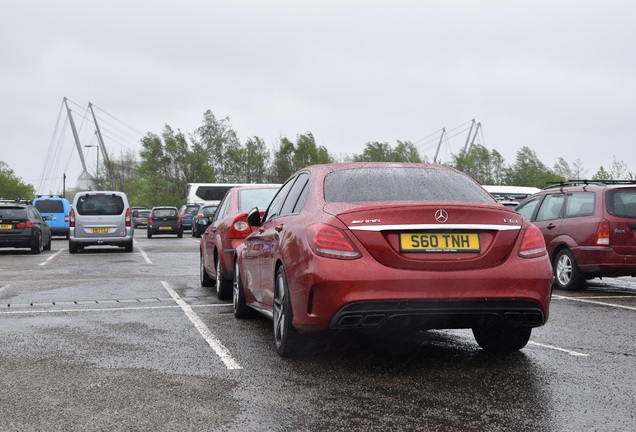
23,226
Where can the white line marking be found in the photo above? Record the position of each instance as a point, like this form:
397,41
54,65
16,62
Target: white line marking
143,254
586,300
217,346
552,347
102,309
51,257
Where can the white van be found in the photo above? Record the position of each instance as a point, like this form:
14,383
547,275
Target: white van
100,218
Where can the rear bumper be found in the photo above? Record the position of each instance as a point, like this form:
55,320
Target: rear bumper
439,314
98,241
604,261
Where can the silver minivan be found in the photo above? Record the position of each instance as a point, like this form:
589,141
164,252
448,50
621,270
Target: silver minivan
100,218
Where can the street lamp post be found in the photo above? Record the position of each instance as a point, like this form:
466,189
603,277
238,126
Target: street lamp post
97,164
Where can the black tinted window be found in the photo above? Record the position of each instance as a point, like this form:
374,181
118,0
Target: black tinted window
100,204
49,206
294,194
622,203
387,184
277,203
212,193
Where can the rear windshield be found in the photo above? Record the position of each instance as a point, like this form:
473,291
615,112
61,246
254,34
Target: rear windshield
49,206
622,203
100,204
402,184
12,213
165,213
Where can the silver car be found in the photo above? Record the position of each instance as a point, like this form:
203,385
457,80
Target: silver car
100,218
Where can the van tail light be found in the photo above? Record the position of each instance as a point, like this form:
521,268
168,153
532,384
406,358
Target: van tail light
532,243
603,233
66,218
128,218
27,224
239,228
331,242
71,222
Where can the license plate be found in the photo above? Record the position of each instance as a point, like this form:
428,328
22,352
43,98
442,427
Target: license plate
439,242
6,226
100,230
165,228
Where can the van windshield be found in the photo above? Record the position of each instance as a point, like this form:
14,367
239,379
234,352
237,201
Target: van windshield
100,204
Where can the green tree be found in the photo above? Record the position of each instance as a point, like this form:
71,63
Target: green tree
486,167
283,164
11,186
256,161
528,170
306,152
405,151
216,137
375,152
601,174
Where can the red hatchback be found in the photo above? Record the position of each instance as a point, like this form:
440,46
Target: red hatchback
228,228
378,245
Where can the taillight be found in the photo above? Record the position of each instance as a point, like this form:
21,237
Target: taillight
603,233
27,224
149,219
65,218
72,218
239,228
532,243
128,217
179,218
331,242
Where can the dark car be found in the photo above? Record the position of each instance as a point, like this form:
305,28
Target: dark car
140,218
228,230
187,212
164,220
398,247
59,210
202,219
22,226
589,229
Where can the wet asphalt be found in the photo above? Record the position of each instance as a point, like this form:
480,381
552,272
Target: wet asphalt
108,340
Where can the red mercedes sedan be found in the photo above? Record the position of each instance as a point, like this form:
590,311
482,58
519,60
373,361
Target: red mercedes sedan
392,245
227,229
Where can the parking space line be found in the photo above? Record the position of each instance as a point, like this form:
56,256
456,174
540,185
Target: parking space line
587,300
552,347
101,309
144,254
217,346
51,257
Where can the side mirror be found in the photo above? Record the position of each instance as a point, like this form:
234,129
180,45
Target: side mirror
254,217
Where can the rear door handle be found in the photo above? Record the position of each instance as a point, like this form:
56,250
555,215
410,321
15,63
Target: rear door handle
551,226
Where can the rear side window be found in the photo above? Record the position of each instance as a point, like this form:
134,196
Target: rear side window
580,204
622,203
110,205
408,184
49,206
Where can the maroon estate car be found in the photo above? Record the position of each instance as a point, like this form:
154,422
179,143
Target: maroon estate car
371,246
226,231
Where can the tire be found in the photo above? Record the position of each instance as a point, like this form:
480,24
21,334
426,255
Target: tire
567,275
502,338
286,339
72,247
47,247
205,278
149,234
37,247
223,285
241,310
180,234
129,246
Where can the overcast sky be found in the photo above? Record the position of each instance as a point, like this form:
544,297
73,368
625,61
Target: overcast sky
556,76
